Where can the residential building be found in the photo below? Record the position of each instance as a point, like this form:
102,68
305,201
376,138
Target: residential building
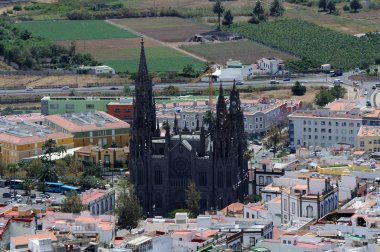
122,109
372,118
368,139
337,123
91,128
75,104
272,65
98,201
24,139
313,200
110,157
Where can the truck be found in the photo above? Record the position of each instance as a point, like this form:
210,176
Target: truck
337,72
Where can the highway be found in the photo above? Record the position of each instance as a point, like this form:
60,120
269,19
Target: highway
324,80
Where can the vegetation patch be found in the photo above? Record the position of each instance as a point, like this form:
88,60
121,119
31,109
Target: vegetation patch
314,44
75,29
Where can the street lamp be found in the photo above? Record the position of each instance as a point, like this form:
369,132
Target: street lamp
154,210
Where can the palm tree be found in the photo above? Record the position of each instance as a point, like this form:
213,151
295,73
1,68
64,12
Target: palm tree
274,139
28,186
61,150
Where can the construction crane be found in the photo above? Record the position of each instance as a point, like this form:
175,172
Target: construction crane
208,72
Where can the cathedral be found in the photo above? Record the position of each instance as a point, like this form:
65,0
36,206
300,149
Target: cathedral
161,167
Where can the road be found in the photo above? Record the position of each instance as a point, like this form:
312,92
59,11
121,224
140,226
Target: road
323,80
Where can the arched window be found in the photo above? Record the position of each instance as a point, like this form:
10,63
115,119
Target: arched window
309,211
321,210
93,210
97,208
106,205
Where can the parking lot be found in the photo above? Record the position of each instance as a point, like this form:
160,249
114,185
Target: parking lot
53,196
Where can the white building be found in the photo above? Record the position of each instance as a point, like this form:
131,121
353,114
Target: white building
272,65
98,201
337,123
313,200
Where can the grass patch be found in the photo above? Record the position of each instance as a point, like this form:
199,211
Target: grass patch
75,29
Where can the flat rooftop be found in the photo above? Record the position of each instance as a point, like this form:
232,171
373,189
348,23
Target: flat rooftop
79,122
27,132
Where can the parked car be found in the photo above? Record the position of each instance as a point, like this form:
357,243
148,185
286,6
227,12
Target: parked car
29,89
374,87
368,103
257,142
263,155
377,84
240,83
274,82
45,195
33,196
6,195
114,88
365,92
39,200
271,150
65,88
286,79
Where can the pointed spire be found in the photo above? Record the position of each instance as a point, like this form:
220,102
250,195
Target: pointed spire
234,86
158,131
143,74
221,89
175,127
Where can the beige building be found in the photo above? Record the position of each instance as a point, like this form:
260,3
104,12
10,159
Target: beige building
368,139
109,157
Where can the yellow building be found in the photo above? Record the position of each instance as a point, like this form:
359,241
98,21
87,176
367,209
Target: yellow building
91,128
368,139
25,139
108,157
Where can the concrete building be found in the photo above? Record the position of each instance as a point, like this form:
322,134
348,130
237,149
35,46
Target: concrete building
21,242
372,118
122,109
313,200
337,123
98,201
272,65
24,139
91,128
368,139
75,104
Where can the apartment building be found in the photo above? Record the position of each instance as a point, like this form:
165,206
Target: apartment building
122,109
24,139
368,139
337,123
109,157
91,128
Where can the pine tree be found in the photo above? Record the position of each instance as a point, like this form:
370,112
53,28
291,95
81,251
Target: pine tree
218,9
228,18
259,11
355,5
331,7
193,197
276,9
322,4
128,209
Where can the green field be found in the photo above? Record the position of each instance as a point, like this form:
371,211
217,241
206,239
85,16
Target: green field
75,29
170,64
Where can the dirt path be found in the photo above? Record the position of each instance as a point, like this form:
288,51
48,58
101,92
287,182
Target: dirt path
171,45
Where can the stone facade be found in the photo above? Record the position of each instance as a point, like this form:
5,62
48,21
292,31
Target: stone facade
162,167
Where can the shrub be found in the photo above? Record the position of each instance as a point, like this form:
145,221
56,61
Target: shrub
346,8
17,8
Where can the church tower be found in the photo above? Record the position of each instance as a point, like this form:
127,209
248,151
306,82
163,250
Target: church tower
143,130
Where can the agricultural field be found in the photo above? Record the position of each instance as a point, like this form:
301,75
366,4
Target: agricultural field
246,51
166,29
314,44
75,29
111,45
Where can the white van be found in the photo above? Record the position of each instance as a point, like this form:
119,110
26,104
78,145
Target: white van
337,81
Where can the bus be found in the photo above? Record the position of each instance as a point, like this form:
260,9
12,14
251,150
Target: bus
66,189
16,184
54,187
